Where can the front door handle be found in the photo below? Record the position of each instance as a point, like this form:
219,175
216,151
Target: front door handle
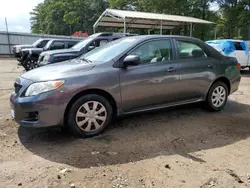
171,69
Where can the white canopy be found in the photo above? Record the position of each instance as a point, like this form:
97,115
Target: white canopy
133,19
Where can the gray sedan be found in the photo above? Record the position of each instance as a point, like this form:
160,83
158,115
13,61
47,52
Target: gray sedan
129,75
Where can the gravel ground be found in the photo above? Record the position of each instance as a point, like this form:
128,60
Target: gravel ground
178,147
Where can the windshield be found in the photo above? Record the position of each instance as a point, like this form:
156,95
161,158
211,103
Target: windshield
82,44
37,42
110,50
48,44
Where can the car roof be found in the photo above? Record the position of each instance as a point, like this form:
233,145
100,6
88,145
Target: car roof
148,37
66,39
111,35
73,39
222,40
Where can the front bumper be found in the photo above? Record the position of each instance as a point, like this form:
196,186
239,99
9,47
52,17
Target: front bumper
18,56
44,110
32,112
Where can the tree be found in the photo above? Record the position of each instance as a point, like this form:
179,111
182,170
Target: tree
63,17
68,16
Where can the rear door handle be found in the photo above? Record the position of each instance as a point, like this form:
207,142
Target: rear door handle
171,69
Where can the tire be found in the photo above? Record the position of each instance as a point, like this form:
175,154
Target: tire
30,63
212,105
82,123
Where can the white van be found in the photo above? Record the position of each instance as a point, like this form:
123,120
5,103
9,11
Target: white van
233,48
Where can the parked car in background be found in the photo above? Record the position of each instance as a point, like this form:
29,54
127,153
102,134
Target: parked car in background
30,55
83,47
233,48
40,43
125,76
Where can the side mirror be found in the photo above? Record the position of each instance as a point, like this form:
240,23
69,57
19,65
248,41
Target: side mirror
131,60
91,48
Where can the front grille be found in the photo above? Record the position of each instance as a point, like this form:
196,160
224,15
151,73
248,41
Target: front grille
17,87
40,59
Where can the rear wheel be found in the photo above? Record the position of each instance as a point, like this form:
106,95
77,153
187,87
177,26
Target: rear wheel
217,96
90,115
30,63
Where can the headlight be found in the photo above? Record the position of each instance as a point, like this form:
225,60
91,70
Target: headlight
18,49
41,87
46,58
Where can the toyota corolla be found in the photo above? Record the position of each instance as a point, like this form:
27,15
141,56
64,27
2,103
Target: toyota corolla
129,75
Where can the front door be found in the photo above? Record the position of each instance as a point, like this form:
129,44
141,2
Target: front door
152,83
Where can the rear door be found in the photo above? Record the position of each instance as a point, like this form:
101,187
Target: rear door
196,68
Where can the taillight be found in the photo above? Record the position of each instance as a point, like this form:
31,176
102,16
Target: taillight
238,66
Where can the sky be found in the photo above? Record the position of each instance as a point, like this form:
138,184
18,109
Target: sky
17,14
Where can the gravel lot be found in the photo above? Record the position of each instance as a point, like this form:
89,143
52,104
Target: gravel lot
178,147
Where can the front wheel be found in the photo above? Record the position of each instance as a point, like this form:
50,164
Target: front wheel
217,96
30,63
90,115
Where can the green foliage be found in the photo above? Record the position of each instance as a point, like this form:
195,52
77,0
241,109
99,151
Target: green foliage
64,17
67,16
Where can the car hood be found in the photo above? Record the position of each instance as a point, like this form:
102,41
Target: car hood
24,46
33,49
53,52
58,71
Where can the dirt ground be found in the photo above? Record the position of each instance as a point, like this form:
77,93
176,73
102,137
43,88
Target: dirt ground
178,147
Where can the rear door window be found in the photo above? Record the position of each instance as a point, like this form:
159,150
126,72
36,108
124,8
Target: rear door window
58,45
72,43
238,46
190,50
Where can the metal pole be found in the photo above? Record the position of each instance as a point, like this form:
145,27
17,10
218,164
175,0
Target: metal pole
6,24
249,25
161,28
215,33
171,32
124,29
191,29
94,29
149,32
